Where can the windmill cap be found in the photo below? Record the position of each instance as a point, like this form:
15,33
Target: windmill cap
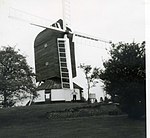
59,24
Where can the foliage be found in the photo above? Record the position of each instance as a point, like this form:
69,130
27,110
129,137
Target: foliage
91,80
124,77
16,77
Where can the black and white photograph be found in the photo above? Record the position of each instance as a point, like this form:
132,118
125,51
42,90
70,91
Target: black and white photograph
74,68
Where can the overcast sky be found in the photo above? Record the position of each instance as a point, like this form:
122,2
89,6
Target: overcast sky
115,20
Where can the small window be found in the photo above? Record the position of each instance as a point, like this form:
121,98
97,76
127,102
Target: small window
45,45
46,63
47,96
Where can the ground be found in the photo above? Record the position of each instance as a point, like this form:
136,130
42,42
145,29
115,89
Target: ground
30,122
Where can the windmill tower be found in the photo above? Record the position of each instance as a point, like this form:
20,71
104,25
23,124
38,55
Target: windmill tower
55,63
55,60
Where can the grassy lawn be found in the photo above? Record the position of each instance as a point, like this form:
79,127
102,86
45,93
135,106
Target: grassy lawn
30,122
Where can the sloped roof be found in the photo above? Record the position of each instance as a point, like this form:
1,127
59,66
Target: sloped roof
77,86
51,84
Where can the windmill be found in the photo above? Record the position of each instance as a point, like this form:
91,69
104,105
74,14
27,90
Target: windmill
55,58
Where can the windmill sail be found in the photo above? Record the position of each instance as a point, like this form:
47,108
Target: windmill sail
29,18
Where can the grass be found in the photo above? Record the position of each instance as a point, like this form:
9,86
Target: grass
30,122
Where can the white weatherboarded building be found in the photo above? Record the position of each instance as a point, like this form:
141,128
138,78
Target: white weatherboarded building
52,92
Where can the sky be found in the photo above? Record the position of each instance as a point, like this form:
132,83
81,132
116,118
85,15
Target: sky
115,20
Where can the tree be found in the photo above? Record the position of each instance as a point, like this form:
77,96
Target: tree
89,76
124,77
16,77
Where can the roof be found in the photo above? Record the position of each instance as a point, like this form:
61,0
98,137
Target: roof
51,84
77,86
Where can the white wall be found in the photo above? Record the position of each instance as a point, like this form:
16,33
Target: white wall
78,94
68,96
41,96
63,94
57,95
60,95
